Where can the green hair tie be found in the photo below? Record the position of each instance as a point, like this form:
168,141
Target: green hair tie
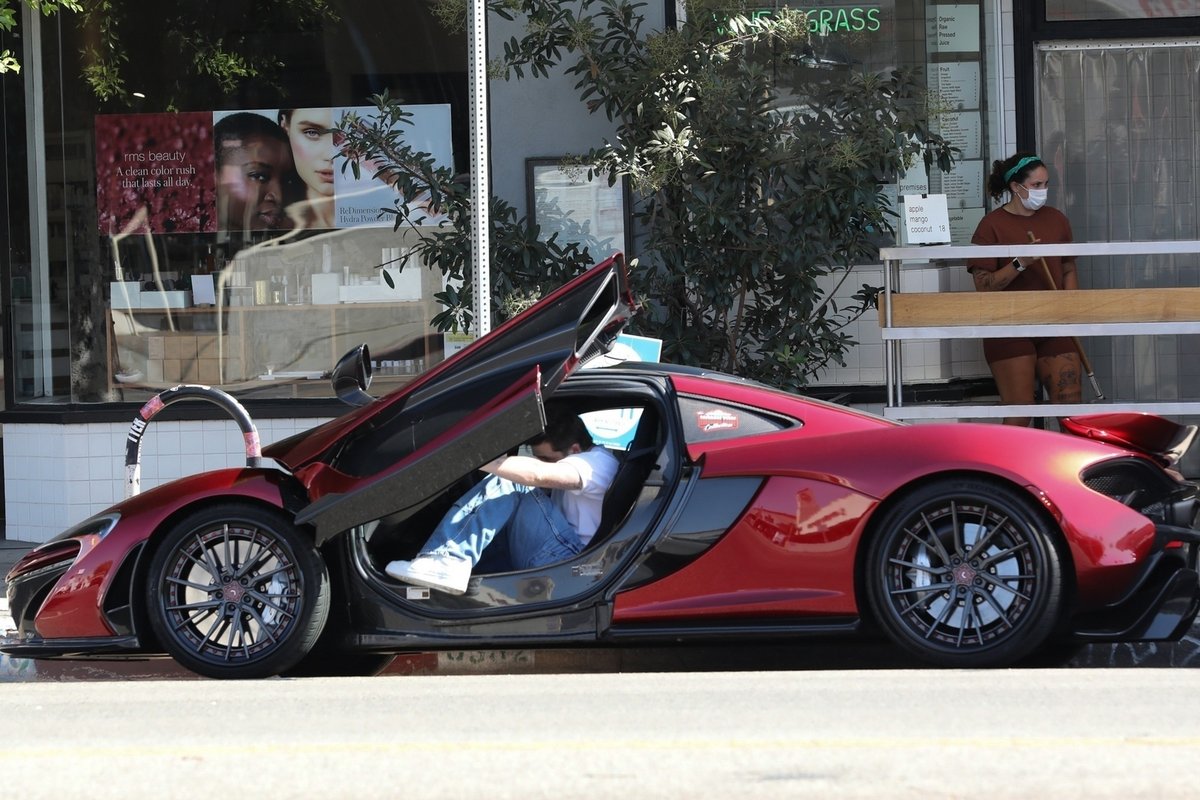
1020,165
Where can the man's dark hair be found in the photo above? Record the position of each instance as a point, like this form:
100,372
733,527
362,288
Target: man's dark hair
564,430
236,127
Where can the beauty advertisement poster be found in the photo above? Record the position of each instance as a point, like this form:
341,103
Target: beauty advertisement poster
256,170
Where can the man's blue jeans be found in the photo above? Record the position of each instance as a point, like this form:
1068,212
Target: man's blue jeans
536,529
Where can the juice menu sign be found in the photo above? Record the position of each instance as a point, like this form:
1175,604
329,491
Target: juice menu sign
256,170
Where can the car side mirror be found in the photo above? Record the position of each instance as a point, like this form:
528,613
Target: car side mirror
352,376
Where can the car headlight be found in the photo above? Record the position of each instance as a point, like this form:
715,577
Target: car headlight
98,526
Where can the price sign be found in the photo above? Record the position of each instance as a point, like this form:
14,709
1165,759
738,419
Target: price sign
926,220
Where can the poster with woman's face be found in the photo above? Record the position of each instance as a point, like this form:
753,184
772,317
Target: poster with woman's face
248,171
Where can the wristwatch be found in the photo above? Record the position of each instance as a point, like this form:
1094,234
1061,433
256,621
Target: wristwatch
1016,262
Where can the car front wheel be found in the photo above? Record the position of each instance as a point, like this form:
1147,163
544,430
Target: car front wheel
235,591
965,573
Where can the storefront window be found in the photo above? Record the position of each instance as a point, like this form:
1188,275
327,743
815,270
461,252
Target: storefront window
1077,10
203,231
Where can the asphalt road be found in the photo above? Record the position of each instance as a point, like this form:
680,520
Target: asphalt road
1087,733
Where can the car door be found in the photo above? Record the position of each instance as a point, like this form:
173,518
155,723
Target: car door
394,454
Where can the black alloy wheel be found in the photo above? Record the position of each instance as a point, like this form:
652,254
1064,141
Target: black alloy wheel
965,573
235,591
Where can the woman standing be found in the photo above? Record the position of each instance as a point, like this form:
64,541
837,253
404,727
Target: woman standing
313,149
1026,219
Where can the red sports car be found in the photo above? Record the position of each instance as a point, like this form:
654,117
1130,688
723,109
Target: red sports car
737,511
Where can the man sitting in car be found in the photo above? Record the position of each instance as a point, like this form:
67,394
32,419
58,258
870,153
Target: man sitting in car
548,506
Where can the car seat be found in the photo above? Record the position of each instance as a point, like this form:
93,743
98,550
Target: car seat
636,462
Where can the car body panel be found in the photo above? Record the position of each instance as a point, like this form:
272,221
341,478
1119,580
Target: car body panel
73,608
481,437
1106,539
794,555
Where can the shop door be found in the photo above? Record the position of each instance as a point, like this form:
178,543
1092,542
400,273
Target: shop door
1118,123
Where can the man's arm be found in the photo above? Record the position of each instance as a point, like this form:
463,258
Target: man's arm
532,472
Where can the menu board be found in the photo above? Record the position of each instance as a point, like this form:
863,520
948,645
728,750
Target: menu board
954,84
963,129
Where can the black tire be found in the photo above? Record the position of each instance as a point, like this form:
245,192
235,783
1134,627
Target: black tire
331,658
235,591
965,573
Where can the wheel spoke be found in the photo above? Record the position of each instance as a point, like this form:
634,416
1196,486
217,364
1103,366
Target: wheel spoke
204,565
941,618
229,557
203,605
922,567
269,600
255,559
185,621
266,629
200,587
1003,554
235,630
978,623
268,575
933,587
1002,583
1000,611
959,539
213,634
967,612
981,545
934,541
920,602
210,558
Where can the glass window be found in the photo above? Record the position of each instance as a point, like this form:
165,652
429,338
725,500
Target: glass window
200,228
1075,10
709,421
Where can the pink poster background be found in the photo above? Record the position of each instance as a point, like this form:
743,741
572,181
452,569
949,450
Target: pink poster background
155,172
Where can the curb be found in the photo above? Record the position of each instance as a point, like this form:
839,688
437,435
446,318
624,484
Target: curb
800,657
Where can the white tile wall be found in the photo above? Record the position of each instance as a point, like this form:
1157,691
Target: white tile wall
923,361
58,475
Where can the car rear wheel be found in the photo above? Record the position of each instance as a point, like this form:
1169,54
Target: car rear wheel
235,591
965,573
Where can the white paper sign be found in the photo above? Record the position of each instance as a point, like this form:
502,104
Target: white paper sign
204,292
963,222
955,29
963,129
963,184
926,220
955,84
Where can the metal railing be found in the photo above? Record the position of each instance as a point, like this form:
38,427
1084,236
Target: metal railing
895,258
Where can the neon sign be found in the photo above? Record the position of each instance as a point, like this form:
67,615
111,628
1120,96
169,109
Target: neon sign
846,19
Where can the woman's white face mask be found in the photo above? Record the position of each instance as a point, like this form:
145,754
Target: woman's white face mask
1035,199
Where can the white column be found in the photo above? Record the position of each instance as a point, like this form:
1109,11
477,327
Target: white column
480,169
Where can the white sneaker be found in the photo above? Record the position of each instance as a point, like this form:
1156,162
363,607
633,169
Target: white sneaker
444,573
